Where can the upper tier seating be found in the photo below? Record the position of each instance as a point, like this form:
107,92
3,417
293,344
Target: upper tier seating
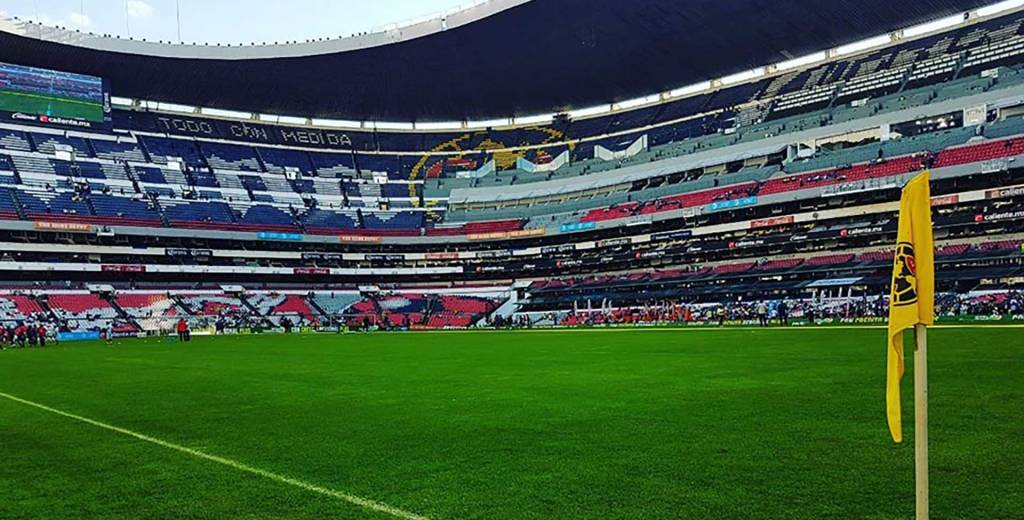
268,217
161,149
193,213
403,220
249,186
14,140
118,150
231,157
280,160
54,198
853,173
316,220
980,152
48,143
125,209
8,205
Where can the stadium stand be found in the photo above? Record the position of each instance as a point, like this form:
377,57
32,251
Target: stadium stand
17,307
781,184
86,311
152,311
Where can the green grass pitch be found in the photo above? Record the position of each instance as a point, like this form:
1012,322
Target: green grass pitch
701,424
51,105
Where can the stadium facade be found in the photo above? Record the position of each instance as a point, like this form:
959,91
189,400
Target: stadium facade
316,181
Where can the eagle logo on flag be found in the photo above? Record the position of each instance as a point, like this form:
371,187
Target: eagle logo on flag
904,281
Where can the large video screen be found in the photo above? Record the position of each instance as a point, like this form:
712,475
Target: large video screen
52,97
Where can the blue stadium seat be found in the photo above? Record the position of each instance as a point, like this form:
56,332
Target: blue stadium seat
231,157
122,207
114,150
47,143
253,183
161,148
14,140
325,219
278,159
388,220
269,215
149,175
213,212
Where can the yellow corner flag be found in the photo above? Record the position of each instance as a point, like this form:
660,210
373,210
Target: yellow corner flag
912,297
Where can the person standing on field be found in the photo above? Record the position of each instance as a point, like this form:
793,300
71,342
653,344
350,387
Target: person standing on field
783,311
762,314
19,334
182,329
30,332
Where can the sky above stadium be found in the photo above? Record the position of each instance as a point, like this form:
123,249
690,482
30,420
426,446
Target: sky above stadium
225,21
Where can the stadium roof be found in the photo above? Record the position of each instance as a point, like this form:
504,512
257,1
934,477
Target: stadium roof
496,60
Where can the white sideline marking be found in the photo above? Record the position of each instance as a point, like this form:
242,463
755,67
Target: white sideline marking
359,501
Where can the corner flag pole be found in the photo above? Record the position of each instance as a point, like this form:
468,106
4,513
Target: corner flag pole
921,419
912,305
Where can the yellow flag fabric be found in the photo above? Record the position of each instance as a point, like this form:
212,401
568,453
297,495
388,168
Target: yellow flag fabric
912,297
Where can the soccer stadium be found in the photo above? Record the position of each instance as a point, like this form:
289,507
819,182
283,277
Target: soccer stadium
523,259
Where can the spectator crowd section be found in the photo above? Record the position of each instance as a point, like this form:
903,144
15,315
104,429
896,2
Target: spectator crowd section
99,205
847,175
160,171
694,209
992,305
212,305
152,311
412,311
86,312
276,306
149,311
837,250
732,280
19,307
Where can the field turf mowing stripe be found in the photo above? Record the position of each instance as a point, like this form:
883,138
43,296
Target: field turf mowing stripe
359,501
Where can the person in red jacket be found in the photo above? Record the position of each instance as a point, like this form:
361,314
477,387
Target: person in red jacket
19,334
183,332
41,332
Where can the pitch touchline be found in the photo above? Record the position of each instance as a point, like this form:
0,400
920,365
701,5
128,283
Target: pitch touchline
359,501
713,328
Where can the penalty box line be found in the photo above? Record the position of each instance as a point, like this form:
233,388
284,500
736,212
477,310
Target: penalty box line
352,499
